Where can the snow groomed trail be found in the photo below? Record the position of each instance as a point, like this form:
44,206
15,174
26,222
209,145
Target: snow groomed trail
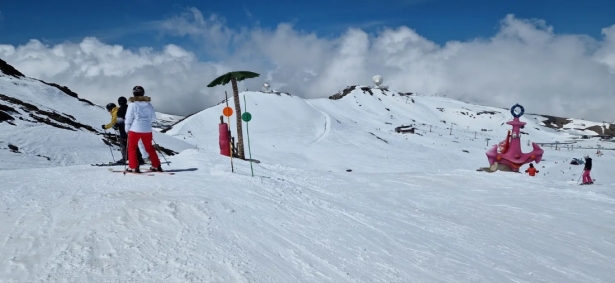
84,224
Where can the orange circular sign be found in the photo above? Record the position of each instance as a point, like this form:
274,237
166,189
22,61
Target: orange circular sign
227,111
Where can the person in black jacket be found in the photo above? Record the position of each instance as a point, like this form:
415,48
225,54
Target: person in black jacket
587,179
119,125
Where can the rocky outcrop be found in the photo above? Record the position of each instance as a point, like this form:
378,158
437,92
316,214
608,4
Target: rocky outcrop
8,70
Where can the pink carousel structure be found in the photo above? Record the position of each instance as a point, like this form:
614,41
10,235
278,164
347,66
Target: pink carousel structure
508,152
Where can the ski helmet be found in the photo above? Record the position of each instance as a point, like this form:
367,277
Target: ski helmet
138,91
586,156
110,106
122,100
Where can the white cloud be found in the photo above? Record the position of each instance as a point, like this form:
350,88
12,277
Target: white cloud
524,62
100,72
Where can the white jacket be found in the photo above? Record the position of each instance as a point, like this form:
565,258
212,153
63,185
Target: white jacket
139,117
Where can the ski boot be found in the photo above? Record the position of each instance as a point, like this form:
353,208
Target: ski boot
136,170
157,169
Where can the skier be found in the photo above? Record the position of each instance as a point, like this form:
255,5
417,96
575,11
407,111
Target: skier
138,124
121,115
113,109
532,170
117,122
587,179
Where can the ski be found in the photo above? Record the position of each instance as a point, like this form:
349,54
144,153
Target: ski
163,172
106,164
581,184
125,172
146,172
115,164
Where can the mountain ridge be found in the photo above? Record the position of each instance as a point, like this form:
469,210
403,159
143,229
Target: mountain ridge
575,126
38,117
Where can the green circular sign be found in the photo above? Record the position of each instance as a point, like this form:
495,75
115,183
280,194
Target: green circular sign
246,116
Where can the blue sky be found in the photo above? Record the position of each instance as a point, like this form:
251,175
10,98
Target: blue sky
126,21
571,75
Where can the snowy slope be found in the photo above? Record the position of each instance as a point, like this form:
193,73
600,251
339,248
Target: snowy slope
50,127
335,134
287,224
412,209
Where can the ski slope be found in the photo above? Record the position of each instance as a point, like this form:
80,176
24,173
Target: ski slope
52,128
165,120
339,196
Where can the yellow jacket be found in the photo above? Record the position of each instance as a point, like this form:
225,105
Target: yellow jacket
113,118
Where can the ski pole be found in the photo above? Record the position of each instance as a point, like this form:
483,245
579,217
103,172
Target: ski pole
579,178
583,171
161,153
118,139
110,150
125,153
127,156
232,146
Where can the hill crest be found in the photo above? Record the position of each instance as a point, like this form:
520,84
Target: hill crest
44,124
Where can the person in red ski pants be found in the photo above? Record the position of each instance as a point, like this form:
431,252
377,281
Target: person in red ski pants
138,124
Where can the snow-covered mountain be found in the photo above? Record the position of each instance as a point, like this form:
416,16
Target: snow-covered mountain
360,118
453,111
43,124
338,196
165,120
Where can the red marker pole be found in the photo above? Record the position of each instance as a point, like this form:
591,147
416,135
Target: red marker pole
228,112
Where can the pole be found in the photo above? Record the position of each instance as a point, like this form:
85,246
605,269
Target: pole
451,129
229,131
161,153
127,158
117,133
580,177
245,109
110,150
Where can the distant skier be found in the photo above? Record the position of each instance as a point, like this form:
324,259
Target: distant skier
587,179
138,124
532,170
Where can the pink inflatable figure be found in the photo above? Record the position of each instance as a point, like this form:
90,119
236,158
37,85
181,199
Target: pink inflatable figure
508,152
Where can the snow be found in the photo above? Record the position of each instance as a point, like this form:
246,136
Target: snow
412,209
165,120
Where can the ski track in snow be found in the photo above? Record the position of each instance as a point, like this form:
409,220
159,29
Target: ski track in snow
327,127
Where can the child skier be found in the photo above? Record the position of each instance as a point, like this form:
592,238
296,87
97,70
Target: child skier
532,170
138,124
587,179
113,109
